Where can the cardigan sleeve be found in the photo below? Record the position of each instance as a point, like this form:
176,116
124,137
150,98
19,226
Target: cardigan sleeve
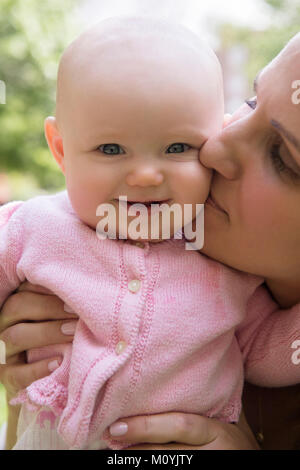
10,249
269,339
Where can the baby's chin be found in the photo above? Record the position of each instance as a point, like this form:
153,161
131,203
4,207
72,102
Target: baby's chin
141,233
141,240
117,235
144,239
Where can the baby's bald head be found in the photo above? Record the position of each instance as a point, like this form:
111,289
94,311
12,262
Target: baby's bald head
131,53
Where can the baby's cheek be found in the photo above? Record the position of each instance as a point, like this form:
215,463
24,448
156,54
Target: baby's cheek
198,183
206,177
83,205
85,198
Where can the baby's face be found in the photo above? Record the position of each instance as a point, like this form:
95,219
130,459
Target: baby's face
135,128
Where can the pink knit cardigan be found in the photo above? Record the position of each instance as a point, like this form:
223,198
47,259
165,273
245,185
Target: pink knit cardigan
176,340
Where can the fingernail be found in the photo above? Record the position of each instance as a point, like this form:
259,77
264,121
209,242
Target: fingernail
69,328
118,429
53,365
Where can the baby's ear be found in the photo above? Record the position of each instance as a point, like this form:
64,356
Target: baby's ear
54,141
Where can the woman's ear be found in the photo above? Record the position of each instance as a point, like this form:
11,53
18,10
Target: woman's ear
227,119
54,141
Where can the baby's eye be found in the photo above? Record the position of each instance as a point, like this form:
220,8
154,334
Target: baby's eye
178,148
111,149
252,103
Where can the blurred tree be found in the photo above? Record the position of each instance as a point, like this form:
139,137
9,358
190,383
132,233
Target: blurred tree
33,35
264,45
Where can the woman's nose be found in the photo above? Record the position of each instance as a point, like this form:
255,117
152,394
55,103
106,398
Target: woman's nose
220,154
145,175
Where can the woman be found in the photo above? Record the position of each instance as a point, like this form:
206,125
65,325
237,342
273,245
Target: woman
255,221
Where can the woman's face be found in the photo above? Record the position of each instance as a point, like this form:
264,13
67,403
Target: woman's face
252,220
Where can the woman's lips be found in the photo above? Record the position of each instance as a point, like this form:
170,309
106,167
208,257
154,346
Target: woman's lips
212,202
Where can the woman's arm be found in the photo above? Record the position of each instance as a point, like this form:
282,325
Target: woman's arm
30,318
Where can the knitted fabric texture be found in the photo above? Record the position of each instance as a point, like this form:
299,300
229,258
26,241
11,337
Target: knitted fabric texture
177,342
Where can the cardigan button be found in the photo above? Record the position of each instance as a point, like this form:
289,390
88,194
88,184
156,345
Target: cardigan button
120,347
134,285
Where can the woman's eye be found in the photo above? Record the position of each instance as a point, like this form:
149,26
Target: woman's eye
178,148
252,103
279,163
111,149
276,158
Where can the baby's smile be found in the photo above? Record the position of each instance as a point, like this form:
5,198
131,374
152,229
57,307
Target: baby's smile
149,204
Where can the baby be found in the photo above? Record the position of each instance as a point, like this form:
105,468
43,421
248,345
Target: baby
161,328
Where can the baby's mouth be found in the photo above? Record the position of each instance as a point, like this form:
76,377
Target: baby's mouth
149,205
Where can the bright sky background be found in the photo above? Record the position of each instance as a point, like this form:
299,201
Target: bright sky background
200,15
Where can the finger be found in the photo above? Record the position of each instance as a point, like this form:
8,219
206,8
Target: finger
232,439
162,447
36,289
25,336
163,428
18,377
19,358
28,287
27,306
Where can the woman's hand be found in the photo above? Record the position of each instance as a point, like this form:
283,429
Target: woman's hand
31,318
183,431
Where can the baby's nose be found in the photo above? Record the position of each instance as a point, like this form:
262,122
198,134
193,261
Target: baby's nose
145,176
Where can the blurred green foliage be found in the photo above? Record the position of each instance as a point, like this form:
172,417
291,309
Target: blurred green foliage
33,34
263,46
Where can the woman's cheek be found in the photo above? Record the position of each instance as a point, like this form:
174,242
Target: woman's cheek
261,208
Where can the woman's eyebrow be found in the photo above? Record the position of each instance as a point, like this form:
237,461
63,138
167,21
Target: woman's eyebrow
290,137
255,83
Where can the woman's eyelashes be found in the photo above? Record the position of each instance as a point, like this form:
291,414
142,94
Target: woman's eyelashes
276,158
252,103
279,164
